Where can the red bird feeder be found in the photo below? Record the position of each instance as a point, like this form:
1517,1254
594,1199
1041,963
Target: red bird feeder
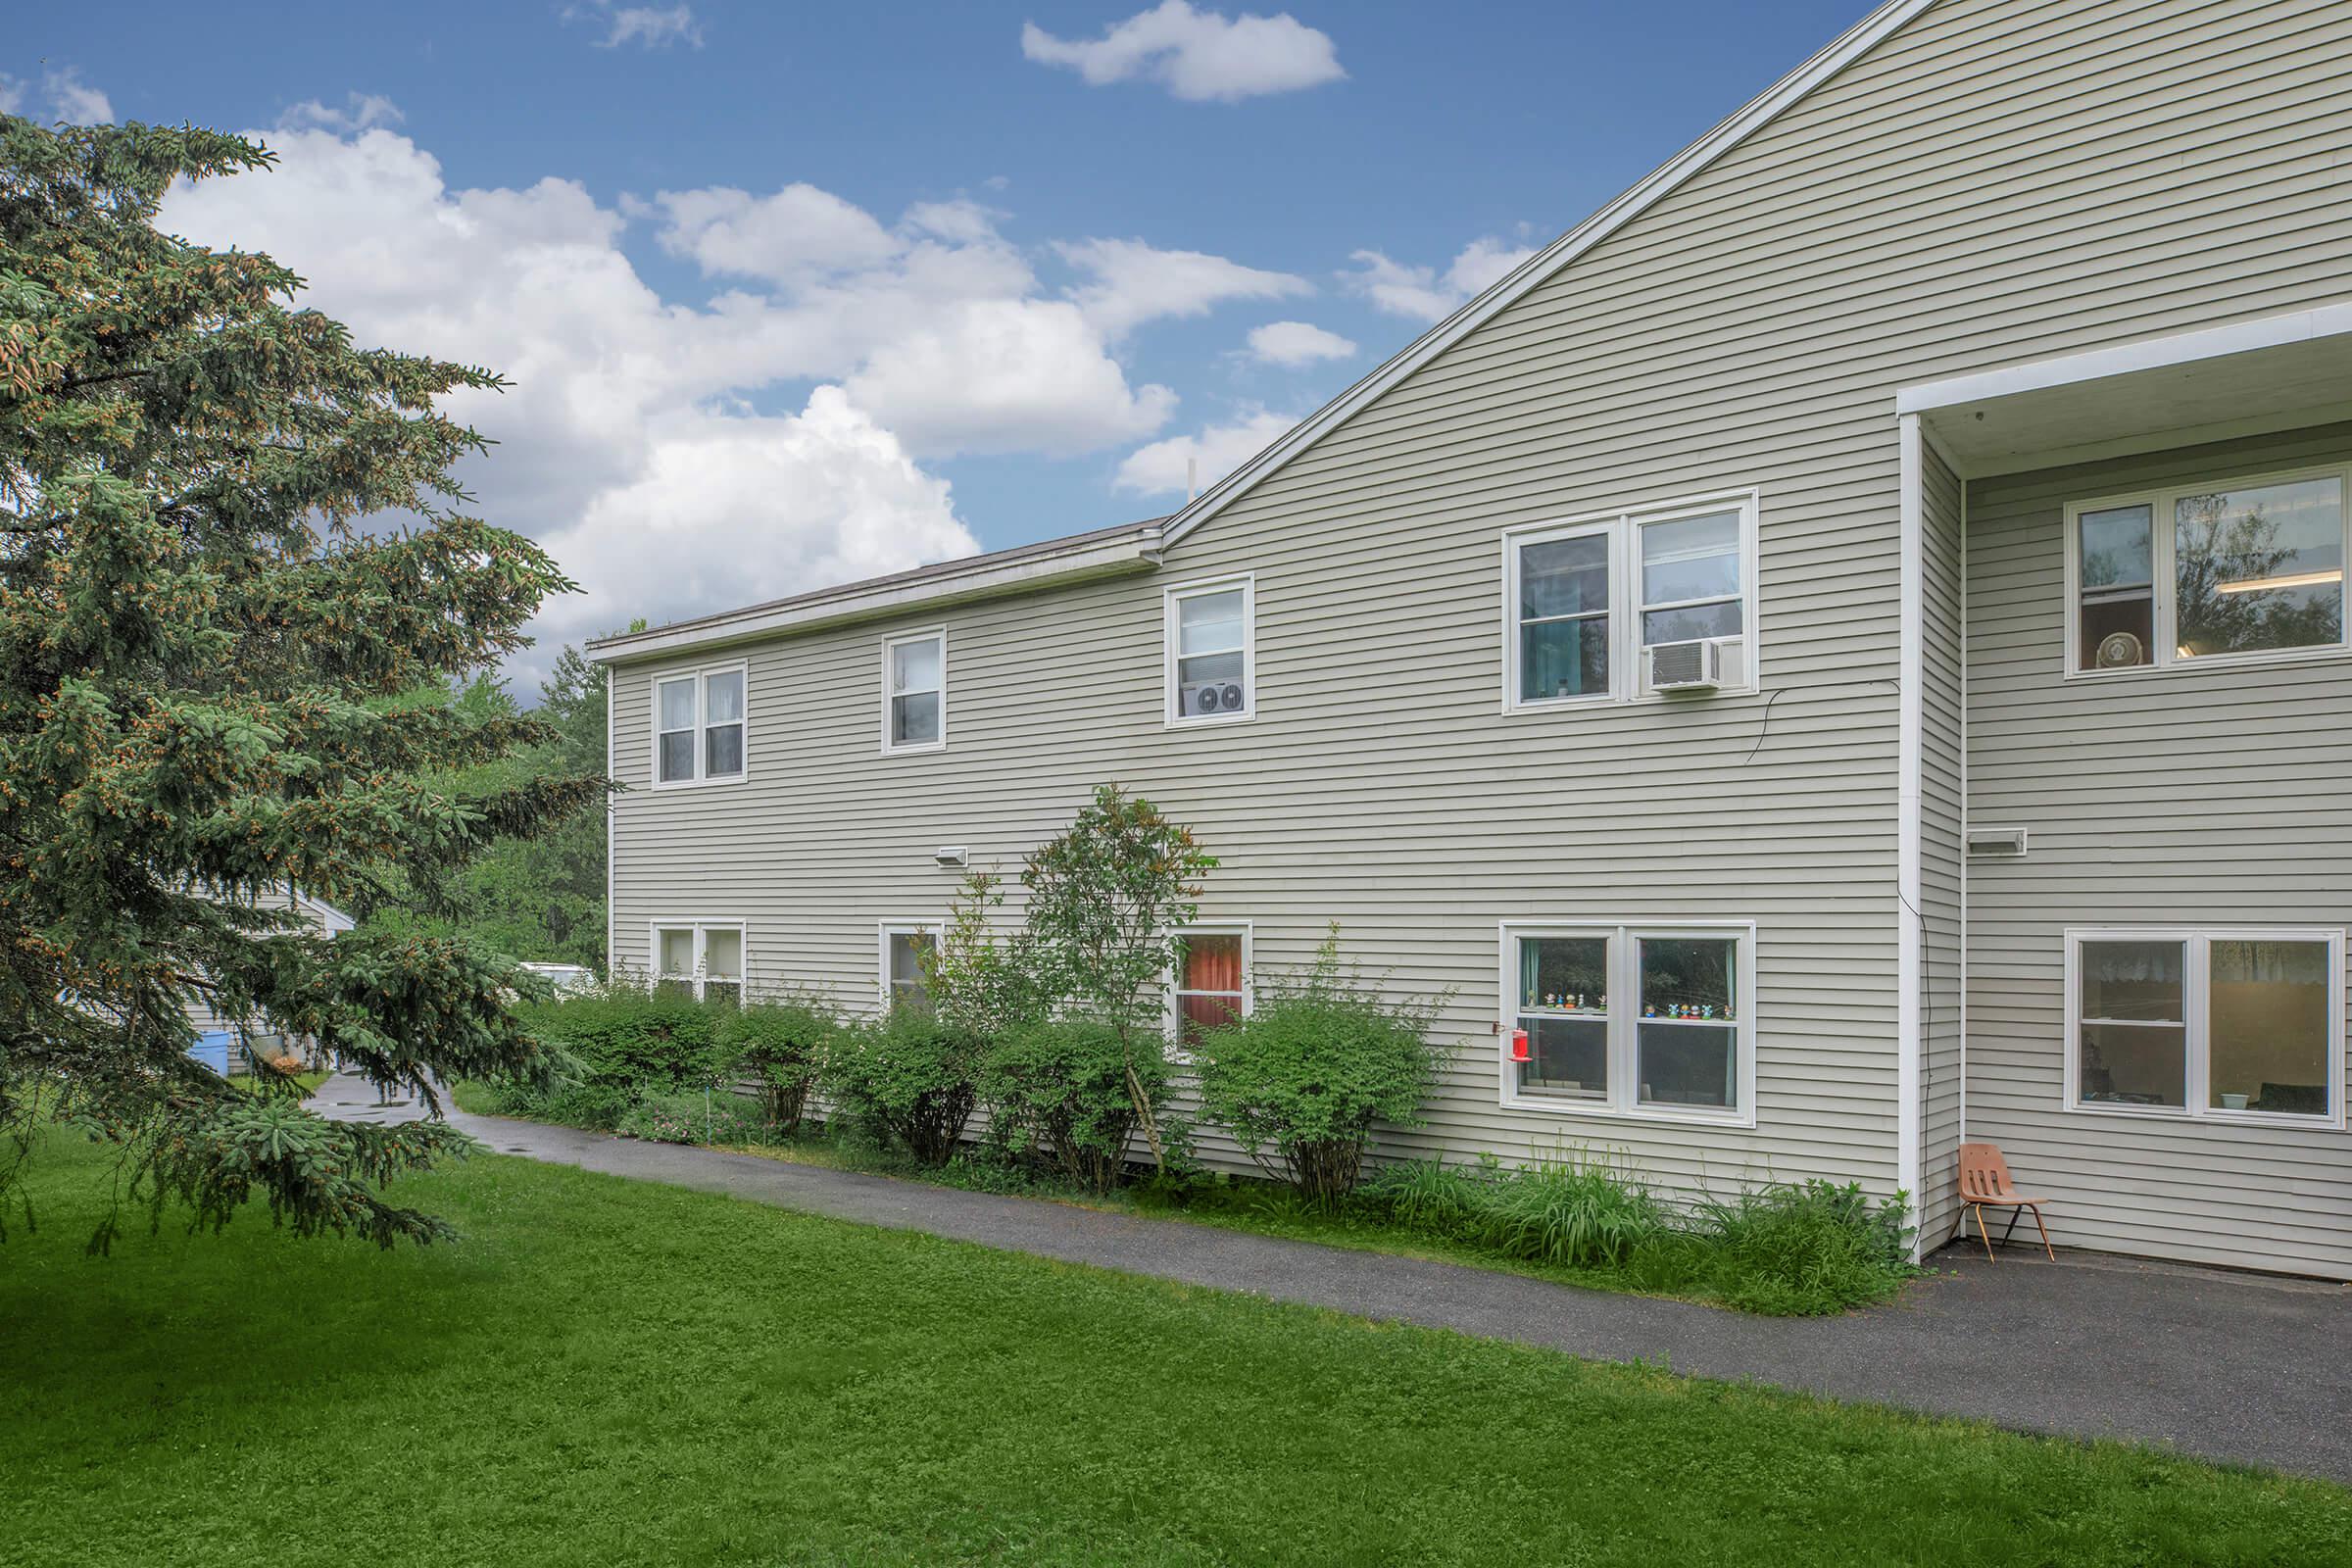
1519,1047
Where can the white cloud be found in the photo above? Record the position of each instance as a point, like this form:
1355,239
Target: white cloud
626,442
1293,344
1425,294
798,233
649,26
1169,467
1133,282
60,94
360,112
1198,54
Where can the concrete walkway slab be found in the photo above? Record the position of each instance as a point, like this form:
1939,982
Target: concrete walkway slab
2237,1368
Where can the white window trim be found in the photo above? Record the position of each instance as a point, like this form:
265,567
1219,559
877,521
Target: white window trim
1171,641
2163,527
1623,1104
2197,1026
700,675
890,646
1173,1015
911,926
701,930
1623,528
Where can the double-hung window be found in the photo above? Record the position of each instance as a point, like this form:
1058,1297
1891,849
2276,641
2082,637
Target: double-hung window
1641,1021
907,945
1211,652
1212,980
2231,1023
697,959
698,727
1586,601
915,691
2206,572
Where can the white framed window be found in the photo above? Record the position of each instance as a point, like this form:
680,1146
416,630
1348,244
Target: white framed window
1651,1020
699,727
1211,983
914,691
1586,600
1210,637
698,958
905,946
2220,572
2236,1023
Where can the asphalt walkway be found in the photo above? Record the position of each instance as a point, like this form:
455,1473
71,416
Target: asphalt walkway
2231,1367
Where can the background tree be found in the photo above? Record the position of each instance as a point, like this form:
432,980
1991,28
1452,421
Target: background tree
200,652
1106,899
539,897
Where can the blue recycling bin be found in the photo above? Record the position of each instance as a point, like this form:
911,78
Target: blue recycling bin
212,1048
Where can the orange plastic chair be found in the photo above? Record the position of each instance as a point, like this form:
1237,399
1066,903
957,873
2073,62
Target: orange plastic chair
1985,1183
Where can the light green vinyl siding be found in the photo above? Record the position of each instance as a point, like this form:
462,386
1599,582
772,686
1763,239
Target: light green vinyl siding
2193,796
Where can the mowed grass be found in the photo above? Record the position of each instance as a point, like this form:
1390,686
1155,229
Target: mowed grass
613,1372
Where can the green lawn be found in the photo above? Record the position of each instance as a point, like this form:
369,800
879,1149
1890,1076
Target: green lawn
609,1372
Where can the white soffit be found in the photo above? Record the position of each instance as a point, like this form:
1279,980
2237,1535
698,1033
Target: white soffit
1753,116
2277,373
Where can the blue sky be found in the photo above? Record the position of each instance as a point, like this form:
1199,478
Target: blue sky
794,293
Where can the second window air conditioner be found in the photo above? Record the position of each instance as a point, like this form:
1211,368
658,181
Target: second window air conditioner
1692,666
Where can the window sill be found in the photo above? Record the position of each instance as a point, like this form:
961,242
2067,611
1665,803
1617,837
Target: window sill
1210,720
913,751
1564,704
2285,659
700,783
2182,1115
1640,1114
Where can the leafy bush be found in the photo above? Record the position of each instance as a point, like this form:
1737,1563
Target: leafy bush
1805,1250
907,1079
1301,1079
640,1041
777,1047
1059,1091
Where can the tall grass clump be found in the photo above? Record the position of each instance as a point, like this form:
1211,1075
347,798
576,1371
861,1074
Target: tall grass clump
1571,1212
1801,1250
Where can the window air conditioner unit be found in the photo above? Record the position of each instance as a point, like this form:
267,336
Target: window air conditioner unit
1695,666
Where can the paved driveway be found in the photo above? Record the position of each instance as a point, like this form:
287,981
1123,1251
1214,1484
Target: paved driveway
2225,1366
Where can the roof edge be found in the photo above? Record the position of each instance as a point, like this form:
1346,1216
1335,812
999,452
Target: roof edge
984,576
1621,210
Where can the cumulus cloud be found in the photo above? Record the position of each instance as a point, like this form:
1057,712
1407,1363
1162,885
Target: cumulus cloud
1425,294
797,234
360,110
1197,55
1293,344
626,443
1168,467
1132,283
647,26
60,95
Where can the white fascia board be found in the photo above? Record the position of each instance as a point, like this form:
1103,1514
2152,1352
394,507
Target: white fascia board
2151,353
1758,113
1135,551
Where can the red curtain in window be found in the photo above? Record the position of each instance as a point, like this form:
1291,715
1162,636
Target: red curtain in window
1213,964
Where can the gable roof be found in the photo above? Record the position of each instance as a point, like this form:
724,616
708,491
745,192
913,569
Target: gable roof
1757,113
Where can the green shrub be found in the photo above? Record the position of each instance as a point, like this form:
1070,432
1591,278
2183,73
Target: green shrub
777,1047
1059,1091
638,1041
1804,1249
694,1119
907,1079
1301,1079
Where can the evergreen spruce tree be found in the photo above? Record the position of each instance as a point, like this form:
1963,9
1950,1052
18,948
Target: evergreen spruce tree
229,541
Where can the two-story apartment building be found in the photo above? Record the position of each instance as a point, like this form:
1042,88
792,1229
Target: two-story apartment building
1842,651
